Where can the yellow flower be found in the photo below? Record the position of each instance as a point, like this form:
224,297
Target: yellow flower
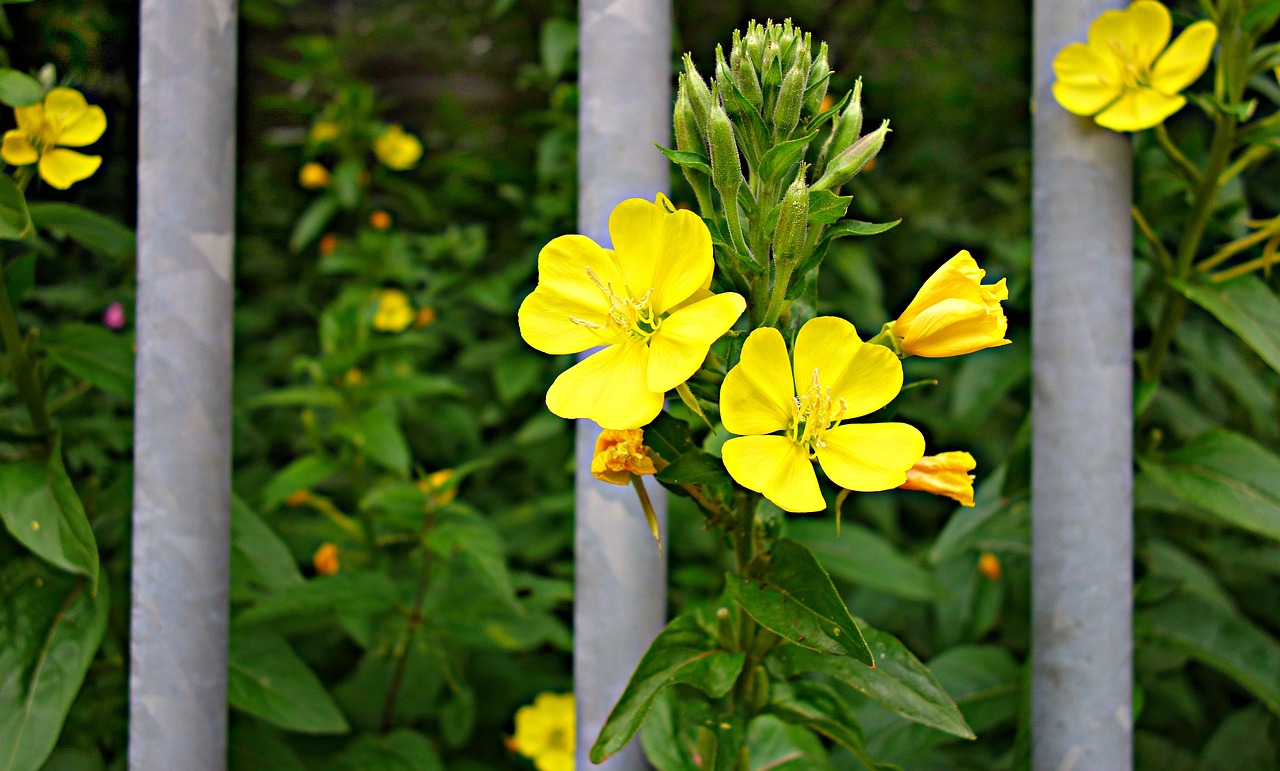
944,474
326,559
648,300
394,313
325,131
397,149
953,313
989,566
313,176
379,220
545,732
619,454
63,120
439,487
1125,76
836,377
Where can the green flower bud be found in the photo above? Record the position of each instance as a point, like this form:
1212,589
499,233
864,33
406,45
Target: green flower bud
688,137
786,114
699,94
844,166
726,167
793,221
724,82
744,75
849,125
759,689
771,70
755,44
816,88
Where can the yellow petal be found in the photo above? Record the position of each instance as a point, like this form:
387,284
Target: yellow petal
565,291
1140,32
677,349
866,376
959,278
1184,61
16,150
757,396
84,130
1087,79
608,387
776,467
1139,109
866,457
955,327
64,106
669,253
63,168
30,119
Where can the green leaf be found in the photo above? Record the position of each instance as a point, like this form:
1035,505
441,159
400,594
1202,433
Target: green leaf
345,183
687,159
18,89
475,540
782,156
93,353
1227,475
19,277
857,228
400,750
42,511
827,207
777,745
820,707
668,436
267,679
260,561
1243,742
96,232
1245,306
50,628
795,599
302,474
254,744
863,558
558,43
347,593
297,396
682,653
694,468
312,222
1218,638
378,435
15,220
899,681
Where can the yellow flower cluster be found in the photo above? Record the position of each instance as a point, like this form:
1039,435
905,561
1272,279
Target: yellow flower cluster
64,119
394,312
546,733
397,149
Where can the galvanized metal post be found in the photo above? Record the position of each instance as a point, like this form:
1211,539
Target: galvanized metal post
1082,446
182,438
620,587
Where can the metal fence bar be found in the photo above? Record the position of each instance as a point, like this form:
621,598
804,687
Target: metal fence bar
1082,462
182,435
620,587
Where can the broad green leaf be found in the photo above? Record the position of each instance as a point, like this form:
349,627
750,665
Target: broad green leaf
827,207
991,517
687,159
312,222
378,435
260,561
669,437
665,737
777,745
96,232
782,156
345,183
1246,306
820,707
50,628
93,353
348,593
15,219
458,717
302,474
18,89
475,540
795,599
20,277
400,750
1226,474
857,228
252,744
42,511
682,653
863,558
694,468
558,42
1243,742
68,759
899,682
1218,638
983,680
267,679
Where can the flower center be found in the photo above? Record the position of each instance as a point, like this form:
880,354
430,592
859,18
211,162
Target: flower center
815,412
1133,76
630,318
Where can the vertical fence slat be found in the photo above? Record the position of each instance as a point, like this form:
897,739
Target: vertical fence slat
182,435
1082,466
620,587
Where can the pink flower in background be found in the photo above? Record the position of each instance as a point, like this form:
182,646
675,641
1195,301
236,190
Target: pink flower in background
113,316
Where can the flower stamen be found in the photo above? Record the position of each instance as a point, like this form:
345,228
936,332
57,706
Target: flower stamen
814,413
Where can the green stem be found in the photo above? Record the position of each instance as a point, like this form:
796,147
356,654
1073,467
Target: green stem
1179,159
781,279
414,621
24,375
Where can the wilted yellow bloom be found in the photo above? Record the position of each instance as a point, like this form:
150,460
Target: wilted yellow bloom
64,119
836,377
546,733
325,131
313,176
326,559
1125,76
953,313
989,566
619,454
395,313
439,487
379,220
647,300
397,148
944,474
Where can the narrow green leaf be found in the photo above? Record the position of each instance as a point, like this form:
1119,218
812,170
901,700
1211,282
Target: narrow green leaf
42,511
15,219
302,474
682,653
18,89
260,561
297,396
782,156
795,599
378,435
267,679
96,232
345,183
93,353
312,222
863,558
857,228
1246,306
687,159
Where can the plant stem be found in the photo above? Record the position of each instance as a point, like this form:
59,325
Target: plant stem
781,279
23,370
415,621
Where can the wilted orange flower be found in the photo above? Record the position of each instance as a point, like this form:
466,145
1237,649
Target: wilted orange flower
989,566
426,316
944,474
619,454
380,220
326,559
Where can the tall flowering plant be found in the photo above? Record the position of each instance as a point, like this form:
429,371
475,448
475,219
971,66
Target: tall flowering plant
778,409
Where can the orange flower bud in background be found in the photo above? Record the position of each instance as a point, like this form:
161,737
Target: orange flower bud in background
944,474
326,559
619,454
426,316
989,566
354,377
328,242
298,498
380,220
438,488
313,176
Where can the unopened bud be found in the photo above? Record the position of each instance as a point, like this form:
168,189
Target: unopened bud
786,114
726,632
844,166
771,70
724,82
755,44
759,688
816,88
793,220
726,167
744,75
688,137
699,94
849,126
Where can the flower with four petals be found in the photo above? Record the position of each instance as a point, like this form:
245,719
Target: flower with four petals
64,119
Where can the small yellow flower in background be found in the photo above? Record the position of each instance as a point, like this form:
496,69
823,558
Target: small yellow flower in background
648,300
313,176
1124,76
298,498
439,487
944,474
953,313
546,733
328,243
64,119
379,220
426,317
354,377
619,454
989,566
836,377
325,131
326,559
397,148
395,313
